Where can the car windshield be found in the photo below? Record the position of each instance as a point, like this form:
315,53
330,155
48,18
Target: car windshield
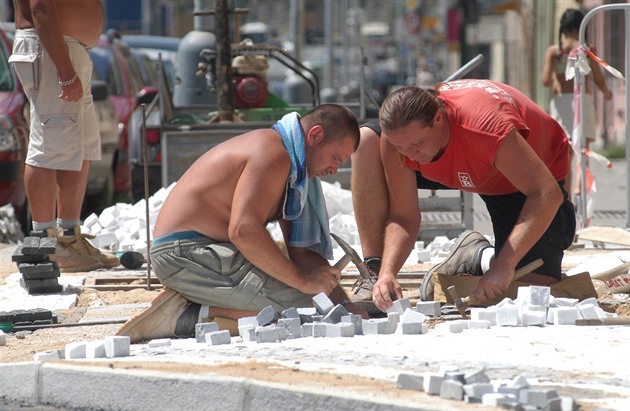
107,70
6,78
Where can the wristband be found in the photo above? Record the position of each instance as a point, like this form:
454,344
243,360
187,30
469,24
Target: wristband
68,82
345,302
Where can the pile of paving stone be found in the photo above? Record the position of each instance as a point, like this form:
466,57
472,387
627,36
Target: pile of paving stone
40,275
476,387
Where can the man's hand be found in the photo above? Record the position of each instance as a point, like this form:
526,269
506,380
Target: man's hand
384,289
494,283
72,91
321,280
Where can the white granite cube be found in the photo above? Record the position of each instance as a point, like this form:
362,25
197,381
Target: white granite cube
291,312
319,329
218,337
487,313
563,302
160,342
538,295
356,320
588,301
117,346
410,382
322,303
247,321
478,324
45,356
247,333
454,327
393,319
587,312
399,306
266,334
340,330
413,328
307,330
412,316
75,350
335,314
430,308
432,383
565,315
95,349
375,326
266,316
507,315
535,318
292,325
201,329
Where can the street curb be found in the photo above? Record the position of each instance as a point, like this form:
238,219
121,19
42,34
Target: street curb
62,384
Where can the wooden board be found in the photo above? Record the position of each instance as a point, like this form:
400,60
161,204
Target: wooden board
605,234
605,321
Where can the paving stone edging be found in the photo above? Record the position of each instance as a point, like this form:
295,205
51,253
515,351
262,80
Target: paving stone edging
100,388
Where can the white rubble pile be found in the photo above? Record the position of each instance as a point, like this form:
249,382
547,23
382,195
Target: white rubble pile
10,229
122,227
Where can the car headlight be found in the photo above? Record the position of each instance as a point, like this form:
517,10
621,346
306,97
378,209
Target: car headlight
8,140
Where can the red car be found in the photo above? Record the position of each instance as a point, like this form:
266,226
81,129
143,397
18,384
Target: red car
14,114
116,65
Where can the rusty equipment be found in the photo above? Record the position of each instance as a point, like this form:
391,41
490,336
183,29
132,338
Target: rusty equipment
463,303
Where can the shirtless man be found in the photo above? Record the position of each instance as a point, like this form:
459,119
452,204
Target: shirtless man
211,248
51,59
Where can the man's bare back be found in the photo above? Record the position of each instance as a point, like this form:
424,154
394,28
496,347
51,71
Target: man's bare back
80,19
234,180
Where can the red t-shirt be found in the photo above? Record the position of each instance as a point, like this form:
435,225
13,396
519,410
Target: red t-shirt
481,113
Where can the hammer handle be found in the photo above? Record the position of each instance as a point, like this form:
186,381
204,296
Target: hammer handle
343,262
524,270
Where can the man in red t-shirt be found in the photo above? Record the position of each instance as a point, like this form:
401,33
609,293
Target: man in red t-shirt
479,136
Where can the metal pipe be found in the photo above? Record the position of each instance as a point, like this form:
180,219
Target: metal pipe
145,158
224,63
579,78
466,68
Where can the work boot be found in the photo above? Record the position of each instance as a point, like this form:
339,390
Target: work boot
74,240
169,315
69,259
362,287
464,257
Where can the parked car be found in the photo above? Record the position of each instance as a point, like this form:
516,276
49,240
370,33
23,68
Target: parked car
14,115
100,184
156,47
116,65
163,52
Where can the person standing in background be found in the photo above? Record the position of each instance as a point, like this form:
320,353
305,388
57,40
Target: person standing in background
553,75
51,59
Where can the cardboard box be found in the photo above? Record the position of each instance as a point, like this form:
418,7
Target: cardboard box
578,286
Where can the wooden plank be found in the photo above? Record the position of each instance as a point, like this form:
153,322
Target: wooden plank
605,234
605,321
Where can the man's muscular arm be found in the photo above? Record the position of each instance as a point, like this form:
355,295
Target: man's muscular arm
258,194
520,164
47,24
